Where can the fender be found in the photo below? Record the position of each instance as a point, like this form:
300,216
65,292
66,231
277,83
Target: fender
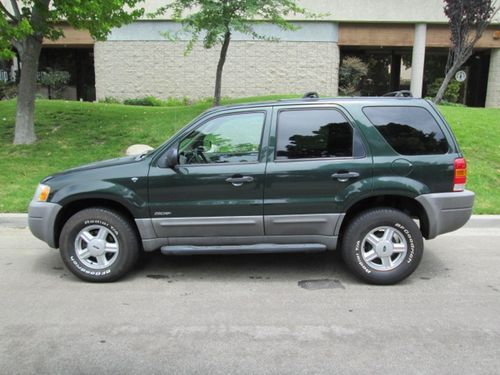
105,190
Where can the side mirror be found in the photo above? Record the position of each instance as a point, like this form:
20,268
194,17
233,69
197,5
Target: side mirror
173,157
170,159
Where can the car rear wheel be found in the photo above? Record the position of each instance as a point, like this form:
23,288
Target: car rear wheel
382,246
99,245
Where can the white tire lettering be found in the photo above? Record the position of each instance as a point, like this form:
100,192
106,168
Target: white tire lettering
88,272
357,252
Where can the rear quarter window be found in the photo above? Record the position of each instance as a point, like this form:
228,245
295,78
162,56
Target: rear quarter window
409,130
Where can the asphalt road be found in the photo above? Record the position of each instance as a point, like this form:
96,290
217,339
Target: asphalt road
247,314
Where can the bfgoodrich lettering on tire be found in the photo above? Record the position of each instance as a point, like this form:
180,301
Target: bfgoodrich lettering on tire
99,245
382,246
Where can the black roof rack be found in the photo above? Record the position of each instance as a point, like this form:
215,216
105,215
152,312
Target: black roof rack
311,95
400,94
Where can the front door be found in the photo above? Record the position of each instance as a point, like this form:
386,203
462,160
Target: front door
217,187
316,164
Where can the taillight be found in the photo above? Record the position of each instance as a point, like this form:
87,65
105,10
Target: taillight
460,174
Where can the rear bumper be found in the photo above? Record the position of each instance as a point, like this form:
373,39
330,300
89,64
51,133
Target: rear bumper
41,220
447,211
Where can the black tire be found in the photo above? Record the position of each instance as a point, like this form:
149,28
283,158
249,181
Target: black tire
115,229
357,247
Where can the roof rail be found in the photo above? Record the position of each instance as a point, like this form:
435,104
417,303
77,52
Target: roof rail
400,94
311,95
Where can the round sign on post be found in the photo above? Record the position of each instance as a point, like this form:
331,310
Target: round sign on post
460,76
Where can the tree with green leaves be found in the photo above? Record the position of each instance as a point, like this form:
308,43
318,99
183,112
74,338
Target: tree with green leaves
468,19
216,20
24,24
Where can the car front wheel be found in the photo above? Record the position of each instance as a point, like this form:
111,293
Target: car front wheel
99,245
382,246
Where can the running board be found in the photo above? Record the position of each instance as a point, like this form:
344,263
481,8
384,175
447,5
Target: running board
243,249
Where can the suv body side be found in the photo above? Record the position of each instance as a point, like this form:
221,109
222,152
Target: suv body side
292,201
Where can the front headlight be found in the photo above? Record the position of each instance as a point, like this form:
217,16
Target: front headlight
42,193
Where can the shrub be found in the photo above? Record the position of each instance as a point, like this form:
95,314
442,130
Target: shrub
110,100
8,90
452,93
175,102
444,102
149,101
351,72
55,81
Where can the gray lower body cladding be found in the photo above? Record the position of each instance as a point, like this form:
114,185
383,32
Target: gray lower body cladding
41,220
447,212
279,230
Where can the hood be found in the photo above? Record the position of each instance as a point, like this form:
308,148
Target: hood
96,165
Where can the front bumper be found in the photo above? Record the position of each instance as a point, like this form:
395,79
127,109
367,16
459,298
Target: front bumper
41,220
446,211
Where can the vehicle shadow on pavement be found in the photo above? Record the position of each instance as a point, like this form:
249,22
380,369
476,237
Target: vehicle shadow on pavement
288,267
291,267
285,266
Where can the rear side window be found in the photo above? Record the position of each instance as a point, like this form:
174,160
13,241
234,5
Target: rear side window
409,130
313,133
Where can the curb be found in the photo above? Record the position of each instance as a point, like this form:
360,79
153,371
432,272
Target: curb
13,220
19,220
483,221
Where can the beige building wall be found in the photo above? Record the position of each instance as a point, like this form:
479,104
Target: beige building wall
134,69
493,93
407,11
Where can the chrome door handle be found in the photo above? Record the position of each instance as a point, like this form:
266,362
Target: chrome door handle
344,176
238,181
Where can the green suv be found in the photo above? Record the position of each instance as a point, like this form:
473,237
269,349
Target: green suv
370,176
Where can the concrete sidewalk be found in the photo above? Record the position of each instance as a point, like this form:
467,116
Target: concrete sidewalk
20,220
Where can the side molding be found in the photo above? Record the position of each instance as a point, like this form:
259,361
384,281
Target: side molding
208,226
313,224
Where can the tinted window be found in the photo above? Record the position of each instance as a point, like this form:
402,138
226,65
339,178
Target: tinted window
409,130
318,133
226,139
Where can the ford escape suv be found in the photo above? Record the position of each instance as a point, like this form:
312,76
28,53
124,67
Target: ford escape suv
370,176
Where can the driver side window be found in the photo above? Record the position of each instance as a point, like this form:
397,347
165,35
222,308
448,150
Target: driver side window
227,139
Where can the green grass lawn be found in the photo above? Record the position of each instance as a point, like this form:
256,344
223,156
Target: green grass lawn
74,133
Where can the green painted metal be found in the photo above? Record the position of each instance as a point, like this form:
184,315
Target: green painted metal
278,187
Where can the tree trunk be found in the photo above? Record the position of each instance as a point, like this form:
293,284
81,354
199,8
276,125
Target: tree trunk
29,53
446,81
220,66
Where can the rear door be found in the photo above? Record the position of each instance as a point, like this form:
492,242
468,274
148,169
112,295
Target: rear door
317,164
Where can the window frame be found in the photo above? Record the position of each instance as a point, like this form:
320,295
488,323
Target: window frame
355,135
438,123
263,111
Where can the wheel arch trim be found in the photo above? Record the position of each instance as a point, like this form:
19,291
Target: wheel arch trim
402,202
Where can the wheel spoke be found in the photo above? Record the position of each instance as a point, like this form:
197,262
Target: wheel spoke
111,247
84,254
388,234
386,262
101,260
398,248
370,255
102,234
372,239
86,236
